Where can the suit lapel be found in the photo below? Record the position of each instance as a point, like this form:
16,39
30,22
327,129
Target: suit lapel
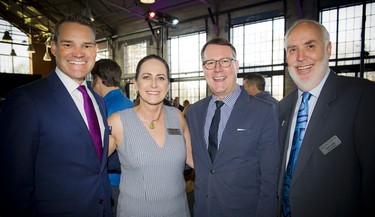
320,118
286,109
203,107
66,102
240,107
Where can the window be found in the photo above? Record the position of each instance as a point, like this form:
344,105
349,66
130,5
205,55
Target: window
260,48
20,63
345,27
260,45
102,54
132,54
185,62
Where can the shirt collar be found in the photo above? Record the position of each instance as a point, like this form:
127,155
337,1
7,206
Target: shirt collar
69,83
229,100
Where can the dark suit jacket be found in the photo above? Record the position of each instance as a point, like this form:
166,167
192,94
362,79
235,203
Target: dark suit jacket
48,164
242,181
340,182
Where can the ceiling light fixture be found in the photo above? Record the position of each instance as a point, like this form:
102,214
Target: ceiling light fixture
7,37
13,53
47,57
87,12
162,18
30,48
48,41
147,1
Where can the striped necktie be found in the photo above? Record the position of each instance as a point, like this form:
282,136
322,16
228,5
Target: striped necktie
299,133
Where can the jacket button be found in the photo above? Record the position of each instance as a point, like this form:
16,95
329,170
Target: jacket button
212,171
100,201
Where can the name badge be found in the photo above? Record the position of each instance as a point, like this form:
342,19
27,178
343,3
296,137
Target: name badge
331,144
173,131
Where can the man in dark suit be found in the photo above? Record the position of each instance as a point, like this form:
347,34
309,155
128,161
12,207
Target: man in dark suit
48,163
334,169
236,169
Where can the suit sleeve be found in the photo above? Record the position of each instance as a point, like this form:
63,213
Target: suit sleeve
269,161
18,148
365,144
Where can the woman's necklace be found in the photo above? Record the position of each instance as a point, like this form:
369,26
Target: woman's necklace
152,124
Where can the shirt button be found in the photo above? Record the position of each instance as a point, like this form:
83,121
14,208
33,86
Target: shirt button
100,201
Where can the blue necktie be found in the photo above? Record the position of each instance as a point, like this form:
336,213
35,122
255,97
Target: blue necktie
299,133
92,120
213,133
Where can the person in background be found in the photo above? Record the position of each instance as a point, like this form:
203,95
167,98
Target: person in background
153,143
234,142
255,84
186,105
326,133
176,103
54,135
106,76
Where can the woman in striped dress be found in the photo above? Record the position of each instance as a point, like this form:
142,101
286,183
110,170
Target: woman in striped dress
153,143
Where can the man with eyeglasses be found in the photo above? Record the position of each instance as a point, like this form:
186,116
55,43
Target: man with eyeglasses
234,140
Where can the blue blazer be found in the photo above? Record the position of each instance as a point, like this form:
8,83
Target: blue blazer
338,181
242,181
48,163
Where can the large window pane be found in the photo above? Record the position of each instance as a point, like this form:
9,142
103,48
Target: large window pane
132,54
260,48
185,63
19,64
184,55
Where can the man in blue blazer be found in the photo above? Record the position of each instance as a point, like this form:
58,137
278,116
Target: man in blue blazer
241,178
334,173
48,163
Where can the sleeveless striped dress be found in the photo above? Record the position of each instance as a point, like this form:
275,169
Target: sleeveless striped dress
152,182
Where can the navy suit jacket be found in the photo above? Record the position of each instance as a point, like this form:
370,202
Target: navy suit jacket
48,164
242,181
338,181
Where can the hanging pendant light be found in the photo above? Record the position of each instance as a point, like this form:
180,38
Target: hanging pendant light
7,37
47,57
87,12
147,1
13,53
30,48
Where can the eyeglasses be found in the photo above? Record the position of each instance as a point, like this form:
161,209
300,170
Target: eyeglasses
224,62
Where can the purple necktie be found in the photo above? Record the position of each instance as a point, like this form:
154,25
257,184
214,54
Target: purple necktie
92,120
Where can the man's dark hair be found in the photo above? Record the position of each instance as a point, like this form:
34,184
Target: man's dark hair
219,41
109,71
74,18
257,79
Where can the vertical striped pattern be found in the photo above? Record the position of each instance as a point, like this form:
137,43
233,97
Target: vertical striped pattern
152,182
